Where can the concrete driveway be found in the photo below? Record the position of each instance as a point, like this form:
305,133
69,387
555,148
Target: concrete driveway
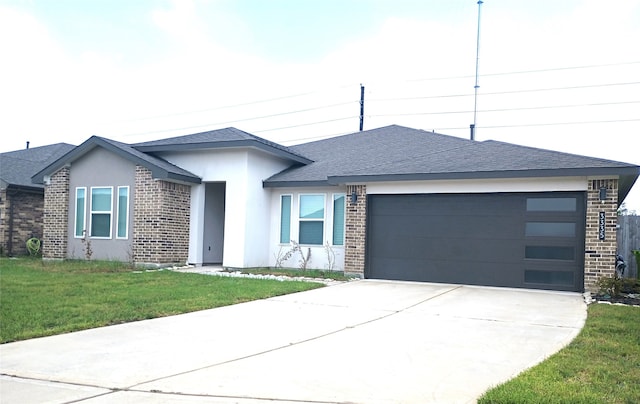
358,342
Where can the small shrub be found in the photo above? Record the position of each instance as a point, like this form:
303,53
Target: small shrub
33,246
636,253
609,285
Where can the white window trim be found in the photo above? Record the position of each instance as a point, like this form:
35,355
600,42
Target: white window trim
344,225
291,210
126,236
323,220
75,216
110,212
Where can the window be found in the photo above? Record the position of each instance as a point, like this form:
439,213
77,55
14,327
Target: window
285,219
549,277
338,219
123,212
101,207
311,223
550,253
551,204
81,206
550,229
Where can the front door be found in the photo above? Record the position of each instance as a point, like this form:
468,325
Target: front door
214,208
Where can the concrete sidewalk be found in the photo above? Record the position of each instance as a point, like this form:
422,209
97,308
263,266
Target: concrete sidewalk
358,342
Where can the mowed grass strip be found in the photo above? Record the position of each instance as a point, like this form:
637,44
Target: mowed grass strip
602,365
46,298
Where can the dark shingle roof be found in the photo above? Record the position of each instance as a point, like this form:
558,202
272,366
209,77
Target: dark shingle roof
17,167
220,138
396,153
160,168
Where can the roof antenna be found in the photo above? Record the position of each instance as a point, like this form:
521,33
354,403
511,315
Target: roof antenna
28,144
361,106
476,86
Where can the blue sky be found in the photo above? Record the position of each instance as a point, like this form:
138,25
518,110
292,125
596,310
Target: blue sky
562,75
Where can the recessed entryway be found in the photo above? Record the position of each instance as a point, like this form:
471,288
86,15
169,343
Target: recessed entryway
214,212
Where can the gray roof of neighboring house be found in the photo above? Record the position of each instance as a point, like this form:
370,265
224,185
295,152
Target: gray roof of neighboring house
17,167
160,168
220,138
396,153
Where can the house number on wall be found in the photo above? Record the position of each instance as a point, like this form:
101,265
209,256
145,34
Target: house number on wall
601,227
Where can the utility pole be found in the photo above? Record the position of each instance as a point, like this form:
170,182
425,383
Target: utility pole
361,106
476,86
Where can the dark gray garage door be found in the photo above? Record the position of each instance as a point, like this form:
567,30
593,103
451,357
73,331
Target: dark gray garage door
532,240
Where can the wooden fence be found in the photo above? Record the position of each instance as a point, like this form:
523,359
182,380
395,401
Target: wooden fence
629,239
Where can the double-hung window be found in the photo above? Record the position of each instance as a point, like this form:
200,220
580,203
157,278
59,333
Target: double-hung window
81,206
123,213
311,219
101,211
338,219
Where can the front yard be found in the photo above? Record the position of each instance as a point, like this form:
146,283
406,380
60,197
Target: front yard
45,298
602,365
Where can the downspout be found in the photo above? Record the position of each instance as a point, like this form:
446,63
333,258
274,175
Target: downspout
10,238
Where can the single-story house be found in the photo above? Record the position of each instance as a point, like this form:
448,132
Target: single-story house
21,201
388,203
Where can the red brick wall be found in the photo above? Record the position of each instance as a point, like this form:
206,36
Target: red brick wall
355,231
24,220
161,220
599,257
56,207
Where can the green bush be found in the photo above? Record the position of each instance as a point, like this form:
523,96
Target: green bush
33,246
636,253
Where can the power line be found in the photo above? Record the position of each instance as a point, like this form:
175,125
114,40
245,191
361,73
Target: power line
549,124
306,124
508,109
241,120
509,92
289,96
527,71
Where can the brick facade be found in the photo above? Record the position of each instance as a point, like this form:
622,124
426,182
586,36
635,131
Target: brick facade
599,257
56,209
355,231
161,220
4,229
21,218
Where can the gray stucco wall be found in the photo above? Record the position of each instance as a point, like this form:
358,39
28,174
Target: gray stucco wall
101,168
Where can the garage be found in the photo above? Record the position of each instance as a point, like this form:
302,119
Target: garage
522,240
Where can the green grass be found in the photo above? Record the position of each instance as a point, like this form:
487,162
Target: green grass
602,365
45,298
308,273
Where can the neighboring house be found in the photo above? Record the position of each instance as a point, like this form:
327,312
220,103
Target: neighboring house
21,201
388,203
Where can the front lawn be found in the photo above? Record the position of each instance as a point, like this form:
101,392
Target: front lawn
45,298
602,365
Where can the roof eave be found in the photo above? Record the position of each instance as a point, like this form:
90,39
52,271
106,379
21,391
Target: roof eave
567,172
293,184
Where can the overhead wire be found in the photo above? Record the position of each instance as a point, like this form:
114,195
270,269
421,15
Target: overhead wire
393,99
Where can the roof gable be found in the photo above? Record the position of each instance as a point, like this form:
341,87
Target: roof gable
160,168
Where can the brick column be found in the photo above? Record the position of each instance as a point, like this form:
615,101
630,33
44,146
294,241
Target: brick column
160,220
56,216
356,230
599,257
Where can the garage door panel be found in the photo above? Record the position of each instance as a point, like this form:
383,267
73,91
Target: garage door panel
443,271
450,249
452,226
483,239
